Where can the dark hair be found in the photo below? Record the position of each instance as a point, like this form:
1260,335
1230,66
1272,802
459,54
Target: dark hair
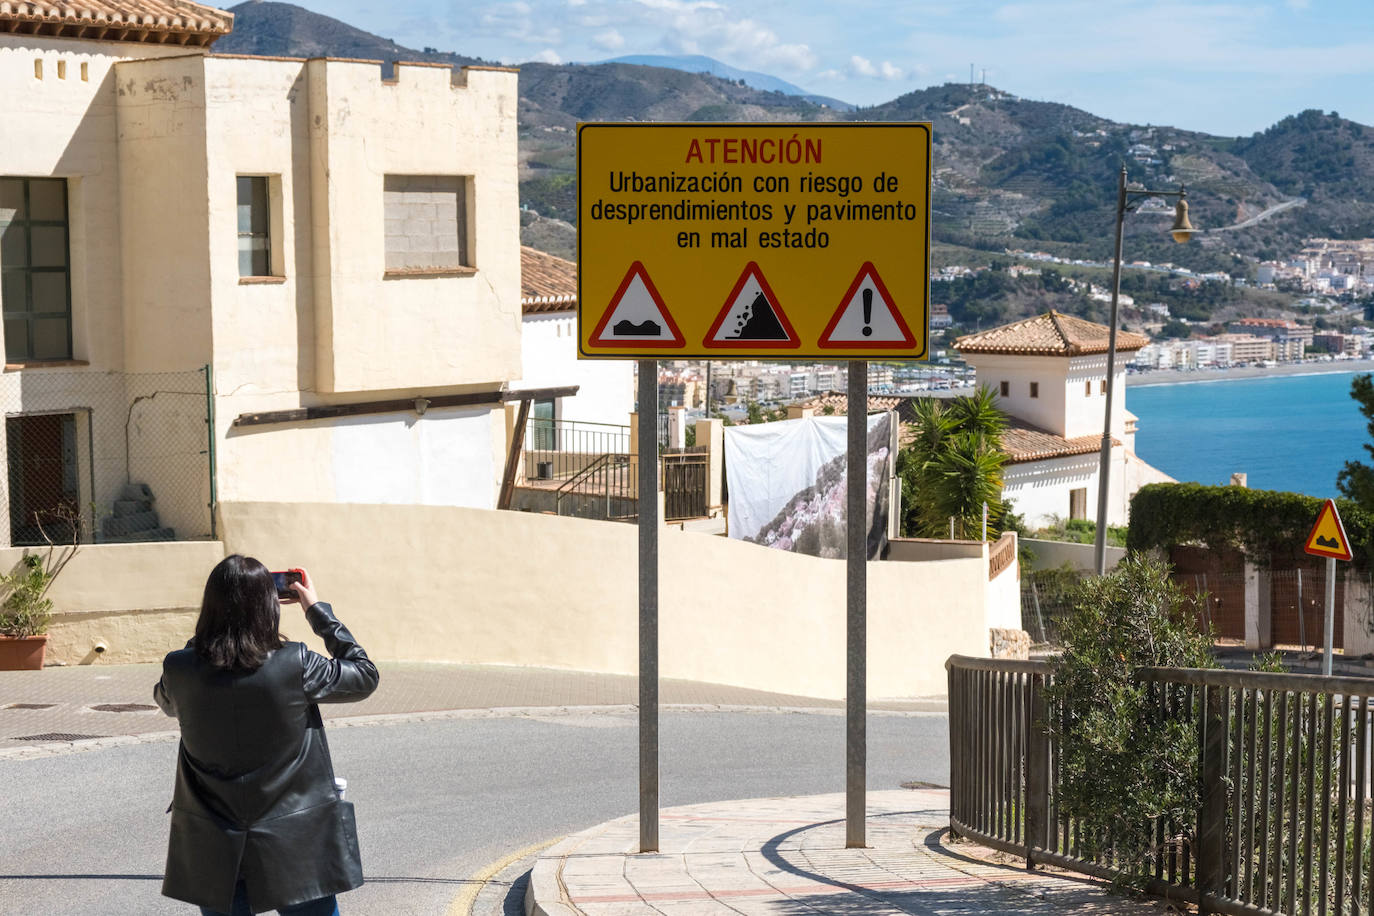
239,615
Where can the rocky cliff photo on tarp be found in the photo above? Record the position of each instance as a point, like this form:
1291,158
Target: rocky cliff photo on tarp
788,489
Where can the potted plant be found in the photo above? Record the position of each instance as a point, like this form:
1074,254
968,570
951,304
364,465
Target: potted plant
26,609
25,615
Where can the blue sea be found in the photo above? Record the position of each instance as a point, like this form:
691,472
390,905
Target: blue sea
1290,433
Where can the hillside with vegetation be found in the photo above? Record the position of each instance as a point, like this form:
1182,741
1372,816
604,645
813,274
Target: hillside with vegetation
1009,173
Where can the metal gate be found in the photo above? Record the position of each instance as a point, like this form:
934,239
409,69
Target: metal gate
1219,573
684,484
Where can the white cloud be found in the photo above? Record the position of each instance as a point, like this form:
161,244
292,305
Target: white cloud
829,75
703,26
889,71
516,21
548,56
610,39
862,66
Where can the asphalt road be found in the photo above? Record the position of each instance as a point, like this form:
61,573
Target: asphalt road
85,833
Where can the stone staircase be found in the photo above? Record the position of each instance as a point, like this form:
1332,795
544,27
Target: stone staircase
134,518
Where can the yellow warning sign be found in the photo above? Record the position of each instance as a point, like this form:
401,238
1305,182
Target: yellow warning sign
814,236
1328,535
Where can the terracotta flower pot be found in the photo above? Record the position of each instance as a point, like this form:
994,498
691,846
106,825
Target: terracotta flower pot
22,653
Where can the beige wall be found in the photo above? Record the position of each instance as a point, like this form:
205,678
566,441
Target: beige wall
141,600
464,585
375,333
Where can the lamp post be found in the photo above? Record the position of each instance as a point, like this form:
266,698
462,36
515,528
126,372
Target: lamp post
1127,199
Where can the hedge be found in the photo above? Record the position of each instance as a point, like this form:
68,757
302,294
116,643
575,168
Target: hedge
1260,522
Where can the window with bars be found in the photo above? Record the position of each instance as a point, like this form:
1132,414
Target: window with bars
35,269
255,226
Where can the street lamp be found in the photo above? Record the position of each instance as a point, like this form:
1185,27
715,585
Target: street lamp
1127,199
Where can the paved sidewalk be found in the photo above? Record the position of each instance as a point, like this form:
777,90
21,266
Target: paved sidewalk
786,857
81,703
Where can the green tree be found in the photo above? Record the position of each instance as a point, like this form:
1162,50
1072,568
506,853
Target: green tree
952,466
1356,479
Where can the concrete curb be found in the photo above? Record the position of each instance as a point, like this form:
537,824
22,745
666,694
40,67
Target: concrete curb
545,895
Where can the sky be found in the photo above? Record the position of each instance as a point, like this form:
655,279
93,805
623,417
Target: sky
1226,68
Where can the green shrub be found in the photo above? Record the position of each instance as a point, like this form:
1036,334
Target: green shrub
26,611
1122,764
1259,522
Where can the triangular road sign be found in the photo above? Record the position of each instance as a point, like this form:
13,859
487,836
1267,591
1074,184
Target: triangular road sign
867,317
636,316
752,316
1328,535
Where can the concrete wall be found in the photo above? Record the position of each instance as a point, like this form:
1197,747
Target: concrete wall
1054,554
548,346
376,330
140,599
464,585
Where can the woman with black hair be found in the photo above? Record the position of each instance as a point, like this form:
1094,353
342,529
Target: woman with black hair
256,821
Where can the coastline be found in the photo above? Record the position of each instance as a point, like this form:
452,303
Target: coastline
1180,377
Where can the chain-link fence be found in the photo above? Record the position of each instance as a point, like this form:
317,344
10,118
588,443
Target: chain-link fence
106,457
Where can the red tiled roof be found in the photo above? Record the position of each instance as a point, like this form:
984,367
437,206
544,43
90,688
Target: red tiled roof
158,21
1050,334
1024,442
840,403
547,283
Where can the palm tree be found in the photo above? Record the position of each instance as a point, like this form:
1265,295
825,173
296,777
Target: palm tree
952,466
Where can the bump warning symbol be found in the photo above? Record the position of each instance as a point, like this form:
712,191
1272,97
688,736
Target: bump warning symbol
752,316
636,315
1328,535
867,317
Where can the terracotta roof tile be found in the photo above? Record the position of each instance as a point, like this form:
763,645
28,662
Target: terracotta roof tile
1050,334
840,403
160,21
1024,442
547,283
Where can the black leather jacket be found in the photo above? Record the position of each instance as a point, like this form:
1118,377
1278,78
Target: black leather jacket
254,793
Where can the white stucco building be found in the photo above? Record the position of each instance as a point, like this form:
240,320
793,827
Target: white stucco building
1050,375
548,346
340,250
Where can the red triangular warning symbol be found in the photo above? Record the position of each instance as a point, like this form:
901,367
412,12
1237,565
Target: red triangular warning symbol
752,316
636,316
1328,535
867,317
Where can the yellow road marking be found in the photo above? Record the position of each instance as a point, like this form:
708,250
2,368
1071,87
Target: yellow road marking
461,905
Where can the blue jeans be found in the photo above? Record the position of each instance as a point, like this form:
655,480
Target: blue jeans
324,906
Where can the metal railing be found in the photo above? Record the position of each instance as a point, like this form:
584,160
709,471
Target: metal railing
556,450
1284,825
605,489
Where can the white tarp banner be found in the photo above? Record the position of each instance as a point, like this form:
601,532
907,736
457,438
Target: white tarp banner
787,486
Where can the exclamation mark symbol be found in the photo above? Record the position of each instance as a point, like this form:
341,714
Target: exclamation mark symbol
868,312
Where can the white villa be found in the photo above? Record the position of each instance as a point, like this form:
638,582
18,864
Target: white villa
1050,375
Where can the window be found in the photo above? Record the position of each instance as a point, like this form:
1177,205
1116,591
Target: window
1088,389
1006,389
255,227
1035,389
1078,503
1102,387
426,223
35,279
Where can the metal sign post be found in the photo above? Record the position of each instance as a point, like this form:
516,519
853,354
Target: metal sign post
1330,631
856,606
648,604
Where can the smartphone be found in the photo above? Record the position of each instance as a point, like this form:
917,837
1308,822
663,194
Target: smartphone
283,582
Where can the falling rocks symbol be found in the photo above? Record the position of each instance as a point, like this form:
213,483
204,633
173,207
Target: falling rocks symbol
758,322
